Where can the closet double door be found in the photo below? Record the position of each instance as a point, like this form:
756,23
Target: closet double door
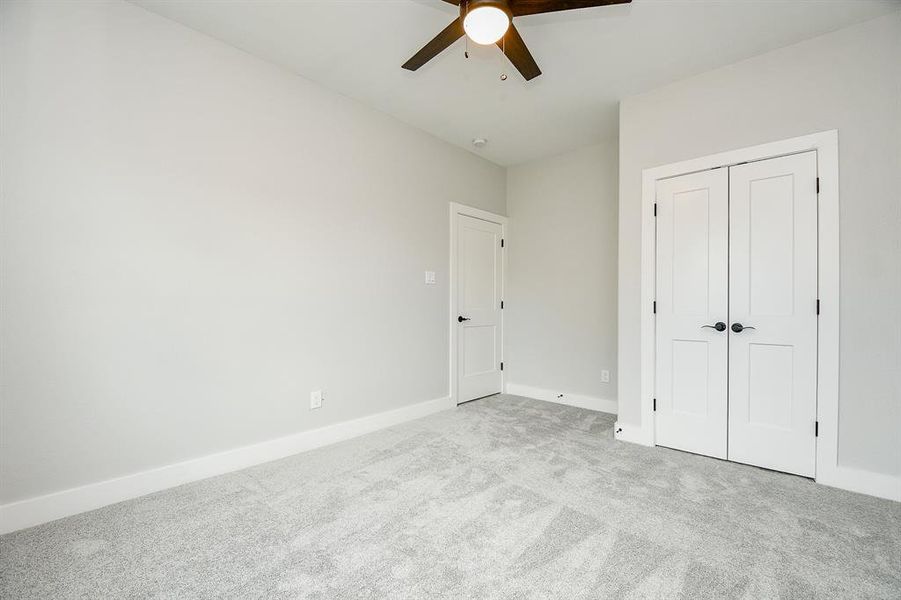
736,313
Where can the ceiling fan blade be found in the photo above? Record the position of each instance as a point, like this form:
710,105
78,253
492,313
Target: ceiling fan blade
454,2
448,36
515,48
535,7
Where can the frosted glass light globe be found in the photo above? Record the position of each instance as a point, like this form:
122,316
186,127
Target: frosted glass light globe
486,24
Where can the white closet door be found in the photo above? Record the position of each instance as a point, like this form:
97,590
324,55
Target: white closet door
479,281
772,301
692,297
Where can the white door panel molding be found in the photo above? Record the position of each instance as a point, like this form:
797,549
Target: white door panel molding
772,308
692,286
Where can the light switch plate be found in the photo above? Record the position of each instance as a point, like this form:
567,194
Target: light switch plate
430,277
315,399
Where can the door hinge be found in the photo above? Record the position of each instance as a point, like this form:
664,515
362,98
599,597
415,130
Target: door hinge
655,404
655,307
655,209
818,185
818,306
502,366
502,242
502,305
816,429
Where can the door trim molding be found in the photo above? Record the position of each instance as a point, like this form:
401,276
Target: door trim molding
477,213
825,143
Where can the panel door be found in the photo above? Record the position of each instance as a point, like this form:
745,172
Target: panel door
479,281
772,306
692,297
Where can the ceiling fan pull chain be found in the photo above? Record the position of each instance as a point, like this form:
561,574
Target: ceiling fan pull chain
466,46
504,53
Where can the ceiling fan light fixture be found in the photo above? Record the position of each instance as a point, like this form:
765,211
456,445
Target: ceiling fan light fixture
486,21
491,22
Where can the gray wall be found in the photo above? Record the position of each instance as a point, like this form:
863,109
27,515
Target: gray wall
561,311
848,80
193,239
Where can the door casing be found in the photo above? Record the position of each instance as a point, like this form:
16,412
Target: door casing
469,211
826,145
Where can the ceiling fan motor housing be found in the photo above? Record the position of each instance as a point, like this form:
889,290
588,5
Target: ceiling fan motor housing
470,5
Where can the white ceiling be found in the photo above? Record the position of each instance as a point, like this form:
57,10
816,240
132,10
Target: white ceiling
590,58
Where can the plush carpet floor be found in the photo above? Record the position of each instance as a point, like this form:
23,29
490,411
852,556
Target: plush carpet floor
502,498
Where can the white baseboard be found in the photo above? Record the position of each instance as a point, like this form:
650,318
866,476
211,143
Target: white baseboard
862,482
846,478
34,511
632,434
589,402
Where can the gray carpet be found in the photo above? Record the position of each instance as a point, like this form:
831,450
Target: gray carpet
502,498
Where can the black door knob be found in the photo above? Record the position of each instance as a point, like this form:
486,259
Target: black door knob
738,327
461,319
720,326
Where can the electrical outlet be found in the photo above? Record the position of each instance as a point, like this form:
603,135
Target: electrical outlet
315,399
605,376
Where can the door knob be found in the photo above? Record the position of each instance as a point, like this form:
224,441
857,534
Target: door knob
720,326
738,327
461,319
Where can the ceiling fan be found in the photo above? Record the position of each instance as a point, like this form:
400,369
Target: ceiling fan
491,22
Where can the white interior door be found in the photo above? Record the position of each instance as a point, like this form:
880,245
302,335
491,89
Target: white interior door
692,297
479,287
772,301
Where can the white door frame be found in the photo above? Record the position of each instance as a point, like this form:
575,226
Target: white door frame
477,213
826,145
